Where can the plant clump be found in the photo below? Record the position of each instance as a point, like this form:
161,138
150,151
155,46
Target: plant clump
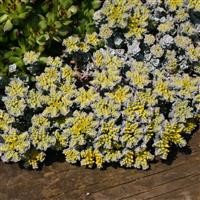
124,94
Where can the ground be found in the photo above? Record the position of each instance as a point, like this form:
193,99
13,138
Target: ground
178,179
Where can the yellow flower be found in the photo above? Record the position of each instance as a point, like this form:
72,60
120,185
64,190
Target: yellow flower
54,62
41,139
14,105
30,57
182,41
116,12
189,126
98,58
138,22
128,159
68,89
99,159
166,26
47,79
138,80
149,39
141,159
14,146
120,95
174,4
194,4
86,97
157,51
33,158
109,135
39,121
136,110
57,103
16,88
181,111
181,15
193,53
106,108
92,39
83,124
188,28
61,139
162,89
162,148
87,157
146,98
106,79
173,133
67,73
35,99
71,155
187,85
112,155
105,32
113,63
84,47
5,120
71,44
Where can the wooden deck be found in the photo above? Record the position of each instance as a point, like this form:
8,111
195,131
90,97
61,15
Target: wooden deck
60,181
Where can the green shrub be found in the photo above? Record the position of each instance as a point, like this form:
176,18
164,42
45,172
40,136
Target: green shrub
40,25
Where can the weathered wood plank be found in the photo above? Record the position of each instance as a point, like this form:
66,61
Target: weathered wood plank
61,181
191,192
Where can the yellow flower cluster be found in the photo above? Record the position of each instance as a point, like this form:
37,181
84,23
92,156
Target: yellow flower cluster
5,120
30,57
74,43
14,146
138,22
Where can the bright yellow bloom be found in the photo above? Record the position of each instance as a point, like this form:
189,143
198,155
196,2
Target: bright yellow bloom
15,106
41,139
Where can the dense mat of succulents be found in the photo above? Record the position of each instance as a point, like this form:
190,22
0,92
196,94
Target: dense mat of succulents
124,94
40,25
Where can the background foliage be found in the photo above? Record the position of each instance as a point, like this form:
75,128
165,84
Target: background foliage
38,25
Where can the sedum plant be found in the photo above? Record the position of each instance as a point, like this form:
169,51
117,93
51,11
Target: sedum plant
124,94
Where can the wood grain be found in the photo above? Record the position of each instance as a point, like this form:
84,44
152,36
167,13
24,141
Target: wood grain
176,180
